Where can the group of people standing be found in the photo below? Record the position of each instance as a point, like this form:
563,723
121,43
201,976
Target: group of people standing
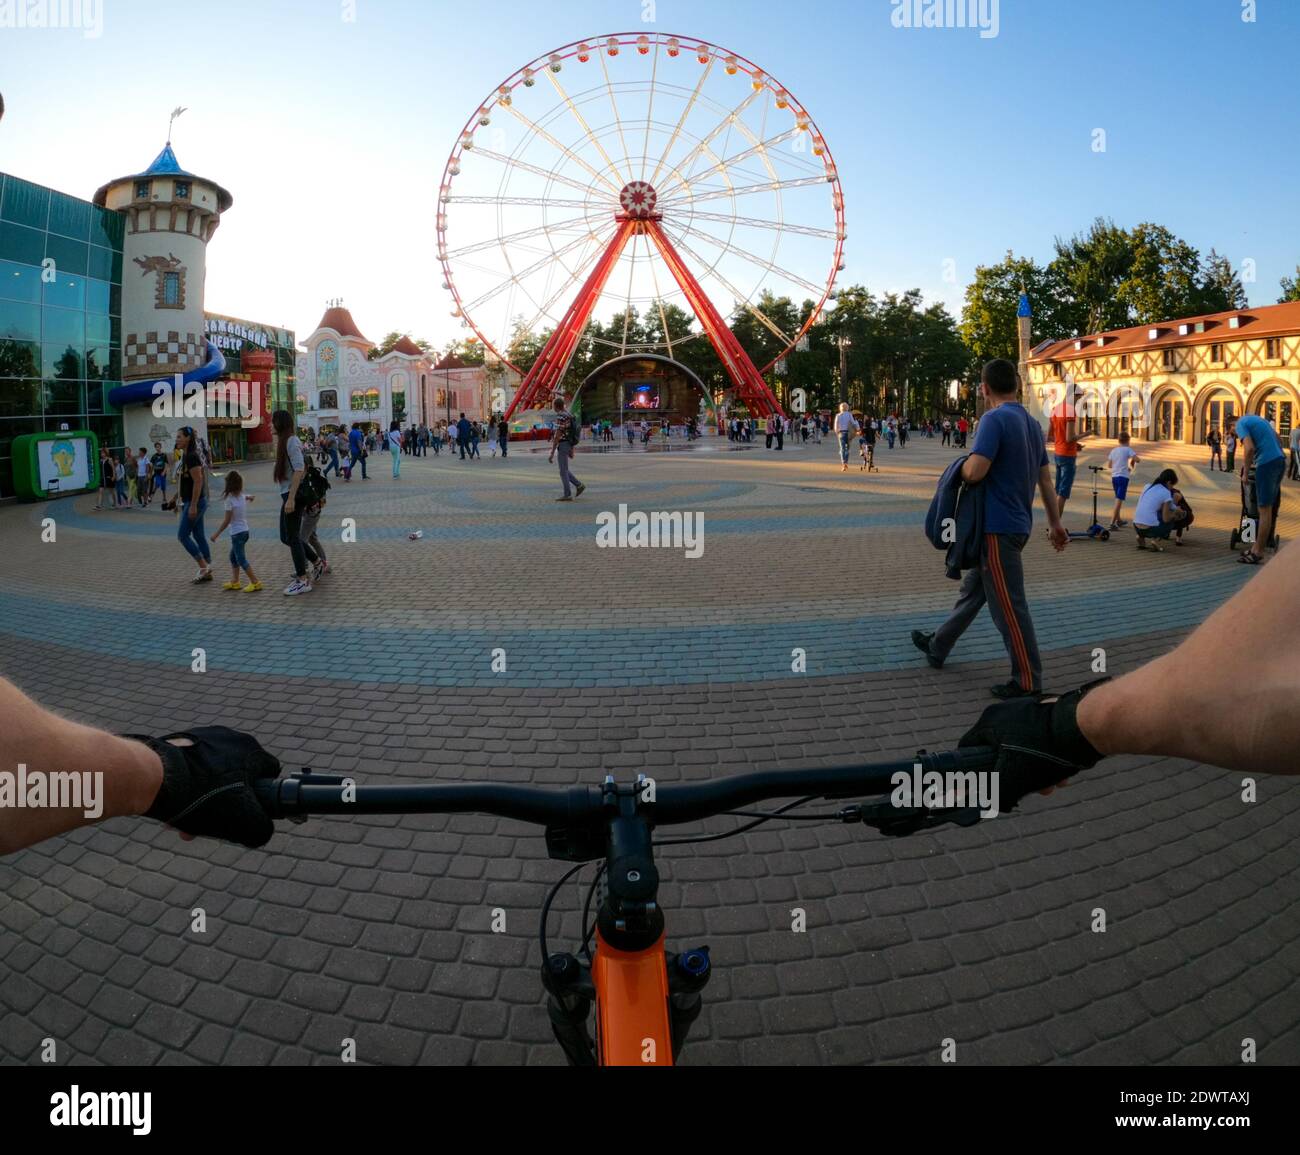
300,511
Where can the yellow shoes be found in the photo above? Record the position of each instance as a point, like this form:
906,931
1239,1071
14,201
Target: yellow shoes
252,587
230,586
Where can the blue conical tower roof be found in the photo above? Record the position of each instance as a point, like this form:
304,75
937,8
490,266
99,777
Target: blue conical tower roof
166,164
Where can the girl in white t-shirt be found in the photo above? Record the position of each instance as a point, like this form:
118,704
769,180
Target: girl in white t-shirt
1121,461
237,518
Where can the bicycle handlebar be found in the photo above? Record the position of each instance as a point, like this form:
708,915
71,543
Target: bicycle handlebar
300,795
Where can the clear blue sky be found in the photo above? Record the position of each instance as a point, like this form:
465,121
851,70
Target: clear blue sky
331,134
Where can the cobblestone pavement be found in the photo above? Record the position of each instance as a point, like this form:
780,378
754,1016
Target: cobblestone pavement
628,660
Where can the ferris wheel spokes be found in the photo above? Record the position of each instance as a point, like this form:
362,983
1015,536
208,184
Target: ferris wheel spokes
753,258
563,149
675,172
753,150
535,169
686,112
516,278
591,136
757,223
709,194
522,235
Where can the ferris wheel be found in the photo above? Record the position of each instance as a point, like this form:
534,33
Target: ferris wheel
658,185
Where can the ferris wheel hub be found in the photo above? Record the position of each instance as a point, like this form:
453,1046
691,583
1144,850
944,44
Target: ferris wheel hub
638,200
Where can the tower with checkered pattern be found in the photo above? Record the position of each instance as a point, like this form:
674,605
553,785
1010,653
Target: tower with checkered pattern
170,216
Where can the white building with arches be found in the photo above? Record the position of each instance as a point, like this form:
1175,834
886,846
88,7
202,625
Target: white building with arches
1177,380
338,383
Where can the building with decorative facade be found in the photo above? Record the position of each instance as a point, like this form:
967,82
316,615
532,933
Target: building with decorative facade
1177,380
338,382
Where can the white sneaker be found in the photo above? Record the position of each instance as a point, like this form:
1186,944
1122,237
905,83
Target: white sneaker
298,586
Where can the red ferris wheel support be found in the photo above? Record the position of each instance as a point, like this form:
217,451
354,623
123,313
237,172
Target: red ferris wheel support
542,381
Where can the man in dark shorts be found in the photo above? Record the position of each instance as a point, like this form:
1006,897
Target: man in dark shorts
1008,459
1264,451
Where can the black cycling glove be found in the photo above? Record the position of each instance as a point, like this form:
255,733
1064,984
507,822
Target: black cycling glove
208,787
1038,742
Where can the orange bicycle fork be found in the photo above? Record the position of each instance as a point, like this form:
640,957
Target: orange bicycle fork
645,999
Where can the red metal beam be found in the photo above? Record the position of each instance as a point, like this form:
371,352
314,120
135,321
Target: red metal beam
750,386
542,380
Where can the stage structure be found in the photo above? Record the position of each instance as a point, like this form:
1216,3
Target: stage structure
627,183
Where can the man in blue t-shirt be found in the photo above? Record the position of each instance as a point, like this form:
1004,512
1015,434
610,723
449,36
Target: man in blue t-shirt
1008,460
357,444
1264,451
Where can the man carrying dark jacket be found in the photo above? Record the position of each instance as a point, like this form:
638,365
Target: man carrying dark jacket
1008,459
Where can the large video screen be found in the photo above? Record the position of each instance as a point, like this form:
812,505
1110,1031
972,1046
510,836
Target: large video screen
642,395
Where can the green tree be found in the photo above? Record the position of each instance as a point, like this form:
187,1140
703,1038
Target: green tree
988,318
1220,288
390,339
1290,288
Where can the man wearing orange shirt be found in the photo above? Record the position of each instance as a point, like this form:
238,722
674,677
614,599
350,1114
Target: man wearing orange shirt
1063,429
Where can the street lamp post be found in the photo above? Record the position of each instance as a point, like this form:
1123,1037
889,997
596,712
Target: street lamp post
844,342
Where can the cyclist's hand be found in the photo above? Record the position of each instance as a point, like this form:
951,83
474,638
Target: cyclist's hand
208,776
1038,741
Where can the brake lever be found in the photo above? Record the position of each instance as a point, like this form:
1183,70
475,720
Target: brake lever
900,821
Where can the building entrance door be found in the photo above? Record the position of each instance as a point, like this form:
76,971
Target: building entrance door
1171,419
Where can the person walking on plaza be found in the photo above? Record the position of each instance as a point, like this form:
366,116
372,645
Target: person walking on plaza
947,432
395,439
119,483
1230,448
331,445
1295,453
1007,461
564,440
310,520
462,436
475,436
1263,450
193,503
158,463
290,467
1121,461
105,496
845,425
1214,439
503,436
357,445
236,518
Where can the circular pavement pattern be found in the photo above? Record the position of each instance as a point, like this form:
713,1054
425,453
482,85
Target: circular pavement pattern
620,661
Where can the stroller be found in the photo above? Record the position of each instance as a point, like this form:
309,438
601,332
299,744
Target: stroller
1250,516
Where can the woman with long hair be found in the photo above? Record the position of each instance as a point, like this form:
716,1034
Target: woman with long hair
193,503
290,466
395,446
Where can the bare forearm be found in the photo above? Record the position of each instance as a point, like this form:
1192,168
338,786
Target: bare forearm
45,743
1047,491
1227,695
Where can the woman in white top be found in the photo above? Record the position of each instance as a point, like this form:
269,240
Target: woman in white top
1157,514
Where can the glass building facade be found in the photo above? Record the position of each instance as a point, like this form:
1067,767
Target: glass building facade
60,316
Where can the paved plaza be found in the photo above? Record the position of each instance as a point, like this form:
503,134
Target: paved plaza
627,660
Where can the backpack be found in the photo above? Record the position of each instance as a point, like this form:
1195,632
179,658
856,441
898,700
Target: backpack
572,432
312,487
